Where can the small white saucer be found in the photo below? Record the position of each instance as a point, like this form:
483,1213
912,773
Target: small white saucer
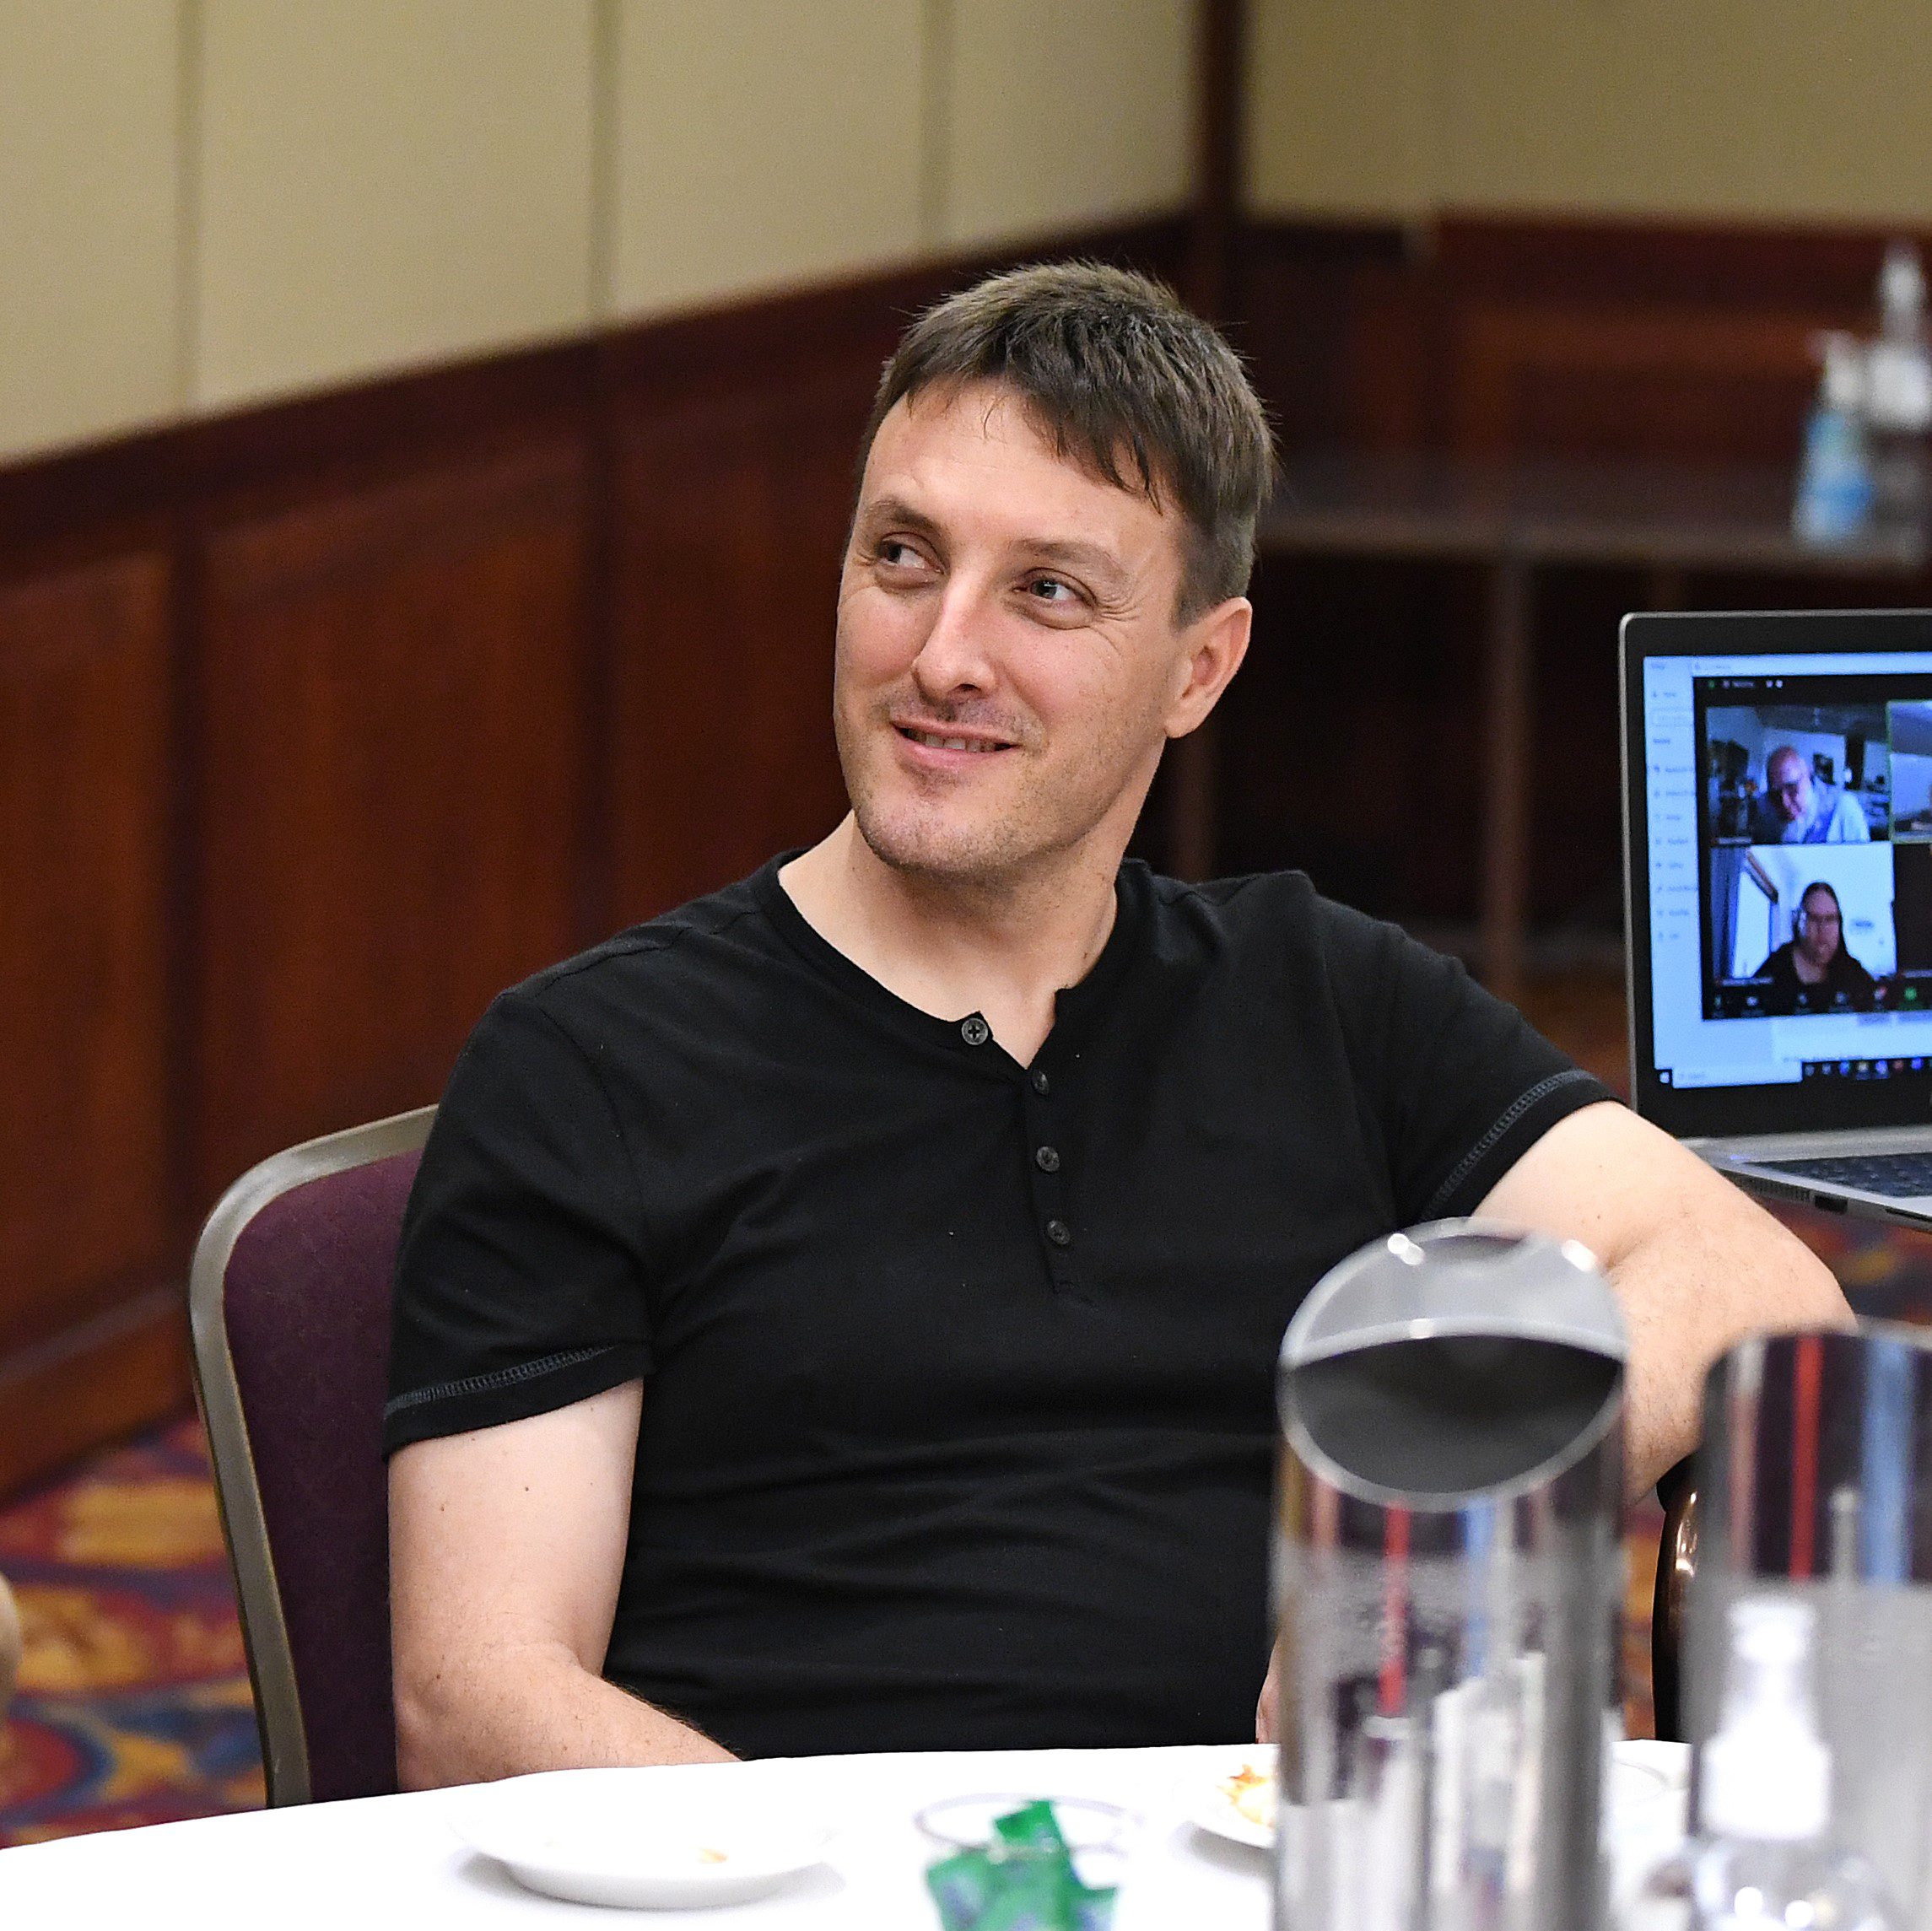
1645,1790
622,1837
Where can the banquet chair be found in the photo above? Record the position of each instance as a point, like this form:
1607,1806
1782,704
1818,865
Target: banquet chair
9,1647
1676,1563
289,1304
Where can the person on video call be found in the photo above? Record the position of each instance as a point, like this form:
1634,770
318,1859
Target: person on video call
1798,809
1919,823
1811,972
842,1314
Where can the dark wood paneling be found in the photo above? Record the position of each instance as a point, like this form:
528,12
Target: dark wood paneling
98,1379
1674,384
730,530
84,822
390,714
1501,336
1349,741
436,680
440,678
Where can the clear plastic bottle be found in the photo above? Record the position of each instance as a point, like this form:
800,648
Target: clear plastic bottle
1835,487
1764,1858
1898,391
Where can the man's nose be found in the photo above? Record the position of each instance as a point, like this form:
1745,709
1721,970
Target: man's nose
953,656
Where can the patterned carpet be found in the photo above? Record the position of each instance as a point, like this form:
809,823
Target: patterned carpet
133,1706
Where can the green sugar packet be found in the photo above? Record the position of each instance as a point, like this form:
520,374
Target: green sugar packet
1031,1827
1023,1880
962,1886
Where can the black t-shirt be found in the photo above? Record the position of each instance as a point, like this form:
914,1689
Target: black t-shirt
959,1424
1847,986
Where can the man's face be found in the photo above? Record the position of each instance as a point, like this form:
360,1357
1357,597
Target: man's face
1008,656
1790,785
1819,940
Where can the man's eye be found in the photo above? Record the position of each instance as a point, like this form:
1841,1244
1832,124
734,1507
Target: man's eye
892,551
1052,589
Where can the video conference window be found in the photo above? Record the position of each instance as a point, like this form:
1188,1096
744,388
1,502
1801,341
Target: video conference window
1793,774
1909,728
1814,818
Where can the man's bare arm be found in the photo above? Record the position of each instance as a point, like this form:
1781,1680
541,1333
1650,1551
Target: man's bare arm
506,1547
1697,1264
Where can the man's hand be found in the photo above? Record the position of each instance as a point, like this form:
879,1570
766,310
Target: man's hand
1697,1264
505,1546
1269,1702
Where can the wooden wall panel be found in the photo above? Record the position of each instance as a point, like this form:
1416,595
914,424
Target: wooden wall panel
85,751
1497,335
337,717
1495,338
386,812
731,523
1669,384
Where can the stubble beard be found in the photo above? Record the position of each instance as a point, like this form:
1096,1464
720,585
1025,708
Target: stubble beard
992,848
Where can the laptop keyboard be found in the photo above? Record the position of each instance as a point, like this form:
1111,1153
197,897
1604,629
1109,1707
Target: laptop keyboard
1897,1176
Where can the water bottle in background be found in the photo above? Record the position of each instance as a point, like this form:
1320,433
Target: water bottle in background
1835,488
1898,393
1764,1856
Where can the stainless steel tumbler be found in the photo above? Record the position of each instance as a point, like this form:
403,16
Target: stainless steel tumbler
1815,1480
1449,1574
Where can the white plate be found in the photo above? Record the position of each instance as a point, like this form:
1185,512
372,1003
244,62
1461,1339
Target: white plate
1215,1811
628,1837
1645,1776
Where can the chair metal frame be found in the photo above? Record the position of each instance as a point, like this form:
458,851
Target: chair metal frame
238,1494
1677,1566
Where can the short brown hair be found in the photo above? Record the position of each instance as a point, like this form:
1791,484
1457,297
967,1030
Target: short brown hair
1124,380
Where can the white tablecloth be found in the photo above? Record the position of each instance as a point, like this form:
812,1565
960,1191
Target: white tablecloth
385,1861
382,1861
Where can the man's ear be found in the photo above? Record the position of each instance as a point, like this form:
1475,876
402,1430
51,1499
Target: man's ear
1214,644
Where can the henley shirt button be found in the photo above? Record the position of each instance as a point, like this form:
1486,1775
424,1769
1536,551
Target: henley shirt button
1040,1082
975,1031
1047,1159
1059,1232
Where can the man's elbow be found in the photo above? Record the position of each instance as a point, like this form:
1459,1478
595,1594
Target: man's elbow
432,1750
1802,1292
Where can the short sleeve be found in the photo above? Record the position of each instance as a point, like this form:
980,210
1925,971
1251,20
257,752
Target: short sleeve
1457,1085
518,1277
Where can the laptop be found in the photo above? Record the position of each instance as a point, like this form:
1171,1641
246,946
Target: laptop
1777,881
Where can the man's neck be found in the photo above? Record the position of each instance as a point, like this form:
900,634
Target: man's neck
1002,950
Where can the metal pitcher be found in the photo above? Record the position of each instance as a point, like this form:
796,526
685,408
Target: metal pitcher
1447,1580
1815,1480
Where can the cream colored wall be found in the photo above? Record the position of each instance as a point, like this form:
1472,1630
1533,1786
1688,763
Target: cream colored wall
381,185
90,311
788,148
1775,109
208,203
1063,113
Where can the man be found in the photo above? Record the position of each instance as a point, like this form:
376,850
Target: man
842,1314
1811,972
1796,809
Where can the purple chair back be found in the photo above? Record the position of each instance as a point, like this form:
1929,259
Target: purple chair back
290,1302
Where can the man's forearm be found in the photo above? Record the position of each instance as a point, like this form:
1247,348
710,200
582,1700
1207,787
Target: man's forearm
1705,1278
508,1712
1697,1264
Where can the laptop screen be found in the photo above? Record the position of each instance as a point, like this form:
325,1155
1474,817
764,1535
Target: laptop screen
1783,887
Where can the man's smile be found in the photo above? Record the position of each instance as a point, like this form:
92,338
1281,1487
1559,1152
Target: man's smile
950,740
